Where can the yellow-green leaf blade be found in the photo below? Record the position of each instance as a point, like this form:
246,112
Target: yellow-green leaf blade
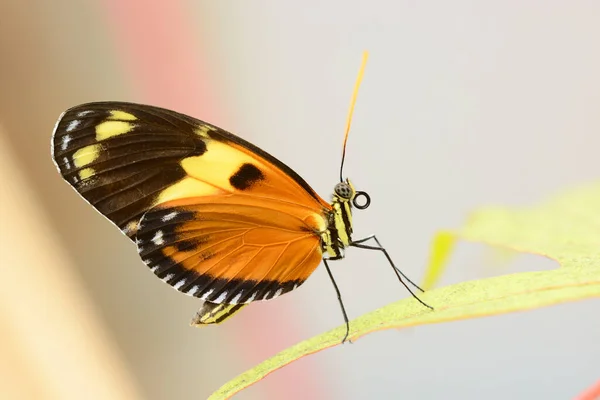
477,298
441,249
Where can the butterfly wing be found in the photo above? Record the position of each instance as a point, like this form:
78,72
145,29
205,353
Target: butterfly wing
125,158
230,249
233,219
212,313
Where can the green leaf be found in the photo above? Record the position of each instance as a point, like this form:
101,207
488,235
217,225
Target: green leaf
565,228
441,247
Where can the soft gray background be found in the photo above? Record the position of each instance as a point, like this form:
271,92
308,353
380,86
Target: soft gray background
463,104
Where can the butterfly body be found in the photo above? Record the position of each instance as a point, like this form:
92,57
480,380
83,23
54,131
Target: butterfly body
210,214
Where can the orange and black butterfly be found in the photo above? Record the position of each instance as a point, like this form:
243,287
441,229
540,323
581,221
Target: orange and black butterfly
212,215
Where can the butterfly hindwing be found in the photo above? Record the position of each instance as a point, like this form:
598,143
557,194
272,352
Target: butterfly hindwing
212,313
229,249
213,215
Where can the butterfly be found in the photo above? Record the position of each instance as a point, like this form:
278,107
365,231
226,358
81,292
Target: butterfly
211,214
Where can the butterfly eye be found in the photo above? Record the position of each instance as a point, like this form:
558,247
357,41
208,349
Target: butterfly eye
343,190
359,204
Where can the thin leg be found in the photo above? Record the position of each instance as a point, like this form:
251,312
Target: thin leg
381,248
339,296
399,274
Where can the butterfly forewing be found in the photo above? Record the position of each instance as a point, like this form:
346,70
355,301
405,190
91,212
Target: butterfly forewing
120,157
211,214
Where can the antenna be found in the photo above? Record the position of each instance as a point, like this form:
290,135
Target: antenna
361,72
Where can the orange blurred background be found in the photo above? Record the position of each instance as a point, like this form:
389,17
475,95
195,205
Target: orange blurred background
462,104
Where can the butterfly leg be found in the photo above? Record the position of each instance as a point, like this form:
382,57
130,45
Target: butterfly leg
339,296
381,248
359,244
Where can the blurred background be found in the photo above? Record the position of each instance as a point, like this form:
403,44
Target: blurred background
463,104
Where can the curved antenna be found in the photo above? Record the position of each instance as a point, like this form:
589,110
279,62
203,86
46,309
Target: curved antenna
351,111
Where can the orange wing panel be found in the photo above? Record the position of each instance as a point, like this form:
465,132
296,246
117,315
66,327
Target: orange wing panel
232,248
227,166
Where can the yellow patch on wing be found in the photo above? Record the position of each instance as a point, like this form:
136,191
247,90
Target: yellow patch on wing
218,164
109,129
317,221
118,115
203,130
86,155
186,188
130,228
86,173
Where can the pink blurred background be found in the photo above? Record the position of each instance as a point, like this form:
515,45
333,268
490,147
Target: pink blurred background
462,105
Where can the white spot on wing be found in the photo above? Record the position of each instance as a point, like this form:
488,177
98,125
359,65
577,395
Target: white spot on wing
222,297
251,299
205,295
193,290
72,125
154,269
278,293
169,216
67,163
295,286
168,277
157,239
84,113
65,142
236,298
267,295
179,284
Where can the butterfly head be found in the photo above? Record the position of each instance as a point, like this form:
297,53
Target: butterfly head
344,192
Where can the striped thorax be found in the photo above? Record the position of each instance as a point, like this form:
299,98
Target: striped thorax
339,230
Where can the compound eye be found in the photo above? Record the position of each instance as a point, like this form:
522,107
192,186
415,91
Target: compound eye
343,190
